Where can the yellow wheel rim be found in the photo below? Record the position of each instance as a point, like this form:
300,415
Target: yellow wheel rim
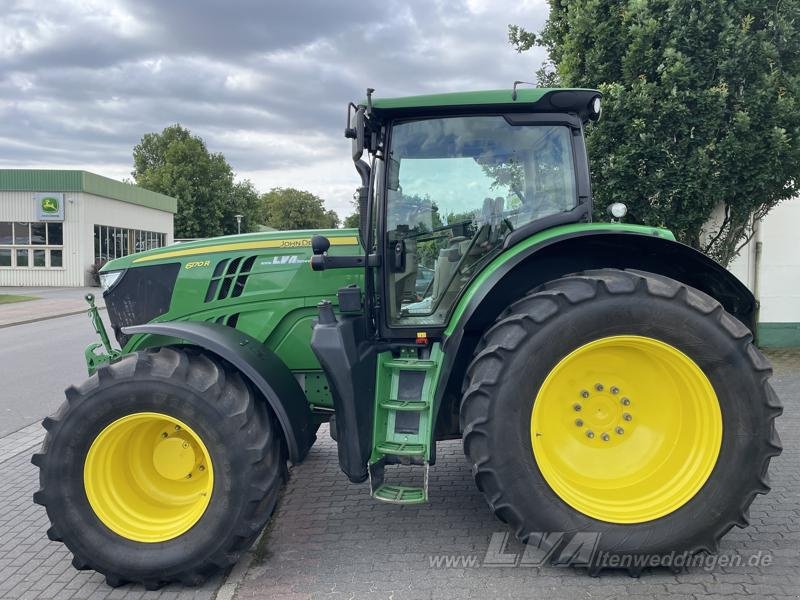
626,429
148,477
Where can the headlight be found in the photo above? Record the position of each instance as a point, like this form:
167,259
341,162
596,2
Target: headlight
109,278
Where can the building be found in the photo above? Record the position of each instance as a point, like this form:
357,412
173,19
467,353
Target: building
55,225
770,266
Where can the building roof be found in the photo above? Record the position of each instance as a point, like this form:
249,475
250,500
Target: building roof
50,180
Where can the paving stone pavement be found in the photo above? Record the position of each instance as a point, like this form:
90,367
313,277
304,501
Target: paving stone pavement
328,539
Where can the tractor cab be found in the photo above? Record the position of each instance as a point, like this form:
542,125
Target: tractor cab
452,181
449,183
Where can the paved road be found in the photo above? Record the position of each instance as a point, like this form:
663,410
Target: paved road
330,540
38,360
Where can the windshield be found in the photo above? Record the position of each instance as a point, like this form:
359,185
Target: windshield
455,188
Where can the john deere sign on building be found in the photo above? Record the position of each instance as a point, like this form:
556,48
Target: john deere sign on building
49,206
56,225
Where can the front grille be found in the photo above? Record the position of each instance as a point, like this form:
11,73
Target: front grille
142,294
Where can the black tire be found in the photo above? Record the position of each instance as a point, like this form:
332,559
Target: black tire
241,436
531,336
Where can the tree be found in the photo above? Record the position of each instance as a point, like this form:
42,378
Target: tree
246,201
177,163
353,220
288,208
701,108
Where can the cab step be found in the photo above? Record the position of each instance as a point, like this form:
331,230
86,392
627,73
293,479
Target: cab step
396,494
409,405
403,421
401,448
400,494
410,364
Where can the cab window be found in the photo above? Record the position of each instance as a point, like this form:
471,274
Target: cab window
456,187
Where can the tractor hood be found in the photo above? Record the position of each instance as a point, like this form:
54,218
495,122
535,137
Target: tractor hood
200,249
236,280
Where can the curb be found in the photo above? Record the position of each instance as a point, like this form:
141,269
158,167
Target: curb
48,317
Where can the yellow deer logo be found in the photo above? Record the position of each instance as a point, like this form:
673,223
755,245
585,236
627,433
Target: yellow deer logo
49,205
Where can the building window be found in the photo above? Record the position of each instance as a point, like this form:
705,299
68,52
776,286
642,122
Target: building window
39,258
31,245
6,234
22,233
115,242
22,258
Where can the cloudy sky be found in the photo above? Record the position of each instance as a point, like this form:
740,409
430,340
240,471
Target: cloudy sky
264,82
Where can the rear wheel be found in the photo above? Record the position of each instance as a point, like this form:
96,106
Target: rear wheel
161,467
624,404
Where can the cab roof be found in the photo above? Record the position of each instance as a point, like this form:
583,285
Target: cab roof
572,100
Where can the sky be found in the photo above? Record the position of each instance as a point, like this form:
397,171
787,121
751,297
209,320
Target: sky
265,83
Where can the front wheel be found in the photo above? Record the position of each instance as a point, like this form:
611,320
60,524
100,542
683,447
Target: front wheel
624,404
161,467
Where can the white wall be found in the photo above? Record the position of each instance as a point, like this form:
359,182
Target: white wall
19,206
778,276
81,212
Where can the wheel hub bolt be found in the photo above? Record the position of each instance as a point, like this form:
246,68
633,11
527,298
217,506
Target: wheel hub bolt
625,402
614,390
201,468
164,434
619,430
590,434
605,437
579,422
189,476
599,387
627,416
177,427
185,445
576,407
584,394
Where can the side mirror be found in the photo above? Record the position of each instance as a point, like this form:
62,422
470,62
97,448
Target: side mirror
357,132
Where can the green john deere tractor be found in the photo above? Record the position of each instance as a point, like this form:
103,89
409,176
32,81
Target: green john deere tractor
602,376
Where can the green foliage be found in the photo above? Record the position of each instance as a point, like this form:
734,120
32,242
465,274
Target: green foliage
288,208
177,163
246,201
352,220
701,108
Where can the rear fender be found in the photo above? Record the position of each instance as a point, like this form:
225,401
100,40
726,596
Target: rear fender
268,373
522,269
